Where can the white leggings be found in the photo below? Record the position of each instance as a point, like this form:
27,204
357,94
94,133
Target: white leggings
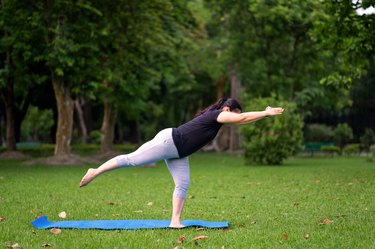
161,147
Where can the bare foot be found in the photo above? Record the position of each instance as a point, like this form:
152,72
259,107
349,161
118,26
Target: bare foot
176,225
90,175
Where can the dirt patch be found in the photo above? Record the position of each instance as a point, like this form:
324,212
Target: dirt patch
13,155
68,160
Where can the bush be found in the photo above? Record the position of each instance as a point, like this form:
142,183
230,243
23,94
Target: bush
330,149
273,139
343,135
37,125
318,133
351,149
367,139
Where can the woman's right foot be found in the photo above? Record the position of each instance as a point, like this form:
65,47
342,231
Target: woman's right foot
90,175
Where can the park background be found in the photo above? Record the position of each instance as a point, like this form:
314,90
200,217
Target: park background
81,81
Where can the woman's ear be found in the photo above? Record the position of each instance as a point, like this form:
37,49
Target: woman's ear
226,109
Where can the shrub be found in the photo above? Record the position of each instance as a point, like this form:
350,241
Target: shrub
343,135
318,133
37,125
351,149
367,139
273,139
331,149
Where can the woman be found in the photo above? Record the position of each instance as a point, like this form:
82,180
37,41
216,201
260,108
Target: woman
174,145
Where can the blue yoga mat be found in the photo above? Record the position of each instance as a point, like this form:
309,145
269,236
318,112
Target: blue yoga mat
44,223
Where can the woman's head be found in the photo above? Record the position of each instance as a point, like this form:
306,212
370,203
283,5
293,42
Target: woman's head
232,104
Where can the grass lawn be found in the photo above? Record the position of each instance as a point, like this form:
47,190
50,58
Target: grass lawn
306,203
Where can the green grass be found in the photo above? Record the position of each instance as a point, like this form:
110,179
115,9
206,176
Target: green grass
264,205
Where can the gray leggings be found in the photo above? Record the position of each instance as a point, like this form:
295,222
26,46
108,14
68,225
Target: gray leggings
161,147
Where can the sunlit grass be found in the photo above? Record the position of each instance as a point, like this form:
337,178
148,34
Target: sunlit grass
267,207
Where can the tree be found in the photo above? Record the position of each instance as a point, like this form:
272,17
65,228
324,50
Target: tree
68,35
274,48
16,67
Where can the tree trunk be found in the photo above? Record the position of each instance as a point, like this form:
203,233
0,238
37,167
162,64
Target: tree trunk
8,96
108,127
235,84
9,112
65,116
81,120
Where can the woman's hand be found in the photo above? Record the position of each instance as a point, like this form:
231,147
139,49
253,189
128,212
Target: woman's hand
273,111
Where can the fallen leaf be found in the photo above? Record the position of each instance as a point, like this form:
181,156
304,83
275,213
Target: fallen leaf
2,218
190,196
150,204
111,203
253,222
325,221
46,245
317,181
306,236
138,211
31,211
55,230
284,236
181,239
33,232
296,203
62,215
200,237
200,229
115,215
10,244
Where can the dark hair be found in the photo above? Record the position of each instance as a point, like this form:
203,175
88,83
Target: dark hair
223,102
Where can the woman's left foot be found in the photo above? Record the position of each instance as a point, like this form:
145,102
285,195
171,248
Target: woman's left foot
90,175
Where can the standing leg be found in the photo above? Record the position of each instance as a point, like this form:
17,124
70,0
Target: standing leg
180,171
159,148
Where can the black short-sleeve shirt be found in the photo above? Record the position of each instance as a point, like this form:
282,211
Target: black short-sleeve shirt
196,133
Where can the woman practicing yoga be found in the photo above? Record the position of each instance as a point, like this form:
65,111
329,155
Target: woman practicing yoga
174,145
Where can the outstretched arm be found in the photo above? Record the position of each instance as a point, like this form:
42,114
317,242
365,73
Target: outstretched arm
227,117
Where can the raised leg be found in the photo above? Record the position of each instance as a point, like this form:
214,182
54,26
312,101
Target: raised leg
93,173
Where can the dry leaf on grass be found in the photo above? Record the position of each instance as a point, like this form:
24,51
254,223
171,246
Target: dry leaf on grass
325,221
46,245
200,229
55,230
284,236
181,239
296,203
200,237
10,244
150,203
2,218
306,236
62,215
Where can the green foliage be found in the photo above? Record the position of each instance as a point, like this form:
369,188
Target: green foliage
318,133
343,135
330,149
367,139
351,149
273,139
37,125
